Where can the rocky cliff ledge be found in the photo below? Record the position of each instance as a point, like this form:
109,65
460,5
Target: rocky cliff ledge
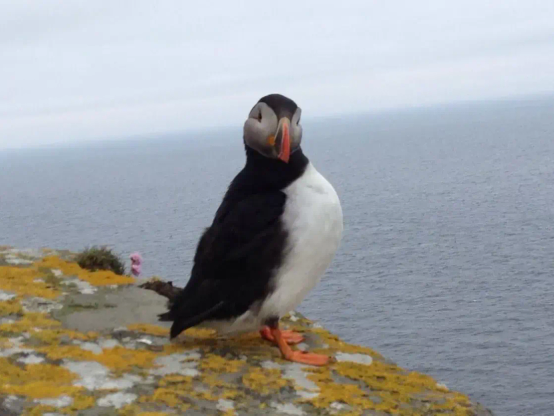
88,343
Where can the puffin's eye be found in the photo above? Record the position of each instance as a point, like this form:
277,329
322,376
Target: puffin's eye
260,116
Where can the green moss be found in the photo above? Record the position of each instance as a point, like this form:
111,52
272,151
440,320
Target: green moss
100,258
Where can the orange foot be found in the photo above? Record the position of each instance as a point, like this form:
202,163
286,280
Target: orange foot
297,356
308,358
290,337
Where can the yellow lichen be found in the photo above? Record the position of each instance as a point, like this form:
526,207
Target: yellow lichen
80,402
201,333
136,410
213,389
149,329
335,344
30,321
98,278
10,307
5,343
174,348
331,392
70,352
36,381
24,281
118,359
212,363
175,379
386,388
172,397
53,336
172,389
264,381
386,377
456,402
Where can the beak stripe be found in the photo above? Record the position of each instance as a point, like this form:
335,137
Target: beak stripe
284,155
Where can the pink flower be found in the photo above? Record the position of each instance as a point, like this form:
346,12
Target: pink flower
136,261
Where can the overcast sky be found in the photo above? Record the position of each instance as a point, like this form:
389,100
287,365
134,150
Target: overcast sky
83,70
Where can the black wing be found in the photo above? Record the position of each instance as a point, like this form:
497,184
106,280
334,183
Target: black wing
234,261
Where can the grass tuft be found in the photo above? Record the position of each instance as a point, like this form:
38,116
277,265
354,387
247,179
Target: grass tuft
100,258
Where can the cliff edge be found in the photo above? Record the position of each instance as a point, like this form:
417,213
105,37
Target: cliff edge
88,343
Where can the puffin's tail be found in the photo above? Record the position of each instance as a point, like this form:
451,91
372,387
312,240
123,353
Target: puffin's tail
165,317
184,317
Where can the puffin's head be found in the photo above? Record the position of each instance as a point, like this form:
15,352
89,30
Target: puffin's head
273,127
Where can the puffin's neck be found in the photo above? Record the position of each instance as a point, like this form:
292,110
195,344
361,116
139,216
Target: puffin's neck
261,175
275,174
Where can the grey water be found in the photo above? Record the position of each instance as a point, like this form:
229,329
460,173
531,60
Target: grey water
447,261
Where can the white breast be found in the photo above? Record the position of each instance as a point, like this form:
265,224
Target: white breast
313,218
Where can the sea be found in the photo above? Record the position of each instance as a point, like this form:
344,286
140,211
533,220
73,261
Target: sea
447,260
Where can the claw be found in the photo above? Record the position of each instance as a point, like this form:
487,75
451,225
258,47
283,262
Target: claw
308,358
297,356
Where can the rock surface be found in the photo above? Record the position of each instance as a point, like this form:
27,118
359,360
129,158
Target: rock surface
88,343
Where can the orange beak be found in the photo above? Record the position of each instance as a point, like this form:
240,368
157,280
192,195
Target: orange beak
284,142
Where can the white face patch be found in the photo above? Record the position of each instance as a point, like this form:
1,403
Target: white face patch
296,129
260,126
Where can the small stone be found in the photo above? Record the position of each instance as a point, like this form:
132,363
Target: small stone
287,408
92,347
31,359
271,365
117,400
303,346
62,401
122,329
4,296
95,376
225,405
296,373
36,304
109,343
442,386
16,347
354,358
156,348
11,259
337,406
13,403
64,339
184,364
144,341
83,287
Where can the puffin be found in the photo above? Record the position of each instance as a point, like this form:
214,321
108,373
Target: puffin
272,238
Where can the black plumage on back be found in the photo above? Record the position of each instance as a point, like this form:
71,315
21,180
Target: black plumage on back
237,255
